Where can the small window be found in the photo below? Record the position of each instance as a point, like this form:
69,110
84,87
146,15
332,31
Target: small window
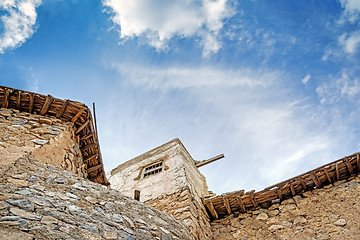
152,169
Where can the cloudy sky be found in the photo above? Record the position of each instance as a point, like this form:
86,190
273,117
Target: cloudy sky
274,85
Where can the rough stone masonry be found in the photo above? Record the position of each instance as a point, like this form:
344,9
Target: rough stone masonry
39,201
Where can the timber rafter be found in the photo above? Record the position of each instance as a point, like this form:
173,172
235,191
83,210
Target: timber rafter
69,111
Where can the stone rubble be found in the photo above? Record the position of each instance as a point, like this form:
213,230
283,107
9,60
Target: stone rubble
38,201
331,212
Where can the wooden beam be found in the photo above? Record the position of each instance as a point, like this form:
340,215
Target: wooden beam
94,168
78,115
292,189
315,179
82,126
212,210
62,108
241,204
337,171
278,191
327,175
205,162
18,99
91,158
87,137
86,147
227,205
349,167
31,103
5,102
252,198
302,183
46,105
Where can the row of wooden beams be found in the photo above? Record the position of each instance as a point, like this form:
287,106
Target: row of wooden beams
49,99
330,173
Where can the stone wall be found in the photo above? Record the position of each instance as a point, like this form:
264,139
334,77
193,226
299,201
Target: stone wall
331,212
39,201
49,139
176,190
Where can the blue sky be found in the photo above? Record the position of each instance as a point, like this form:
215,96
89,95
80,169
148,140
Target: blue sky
274,85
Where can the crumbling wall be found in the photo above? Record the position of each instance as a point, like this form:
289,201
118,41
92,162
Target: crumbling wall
331,212
39,201
177,190
49,139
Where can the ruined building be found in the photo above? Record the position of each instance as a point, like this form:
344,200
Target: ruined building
53,186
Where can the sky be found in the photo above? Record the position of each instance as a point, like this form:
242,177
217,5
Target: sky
273,85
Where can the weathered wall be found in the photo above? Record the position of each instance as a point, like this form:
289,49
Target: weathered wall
177,190
38,201
331,212
49,139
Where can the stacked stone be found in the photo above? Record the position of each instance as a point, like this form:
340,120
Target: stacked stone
183,206
22,132
38,201
331,212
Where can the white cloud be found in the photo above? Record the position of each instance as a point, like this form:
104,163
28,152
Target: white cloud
350,42
306,79
352,8
184,78
335,90
19,22
158,21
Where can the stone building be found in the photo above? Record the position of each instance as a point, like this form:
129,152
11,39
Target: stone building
53,186
168,179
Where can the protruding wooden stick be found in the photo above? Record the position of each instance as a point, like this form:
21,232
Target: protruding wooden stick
203,163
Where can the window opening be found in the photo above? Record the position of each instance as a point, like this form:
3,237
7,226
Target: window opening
155,168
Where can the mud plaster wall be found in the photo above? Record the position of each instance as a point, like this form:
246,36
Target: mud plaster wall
177,190
48,139
331,212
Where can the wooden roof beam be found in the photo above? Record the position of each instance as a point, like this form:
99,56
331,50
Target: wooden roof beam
212,210
349,167
78,115
94,168
31,102
46,105
5,102
82,126
62,108
18,99
227,204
